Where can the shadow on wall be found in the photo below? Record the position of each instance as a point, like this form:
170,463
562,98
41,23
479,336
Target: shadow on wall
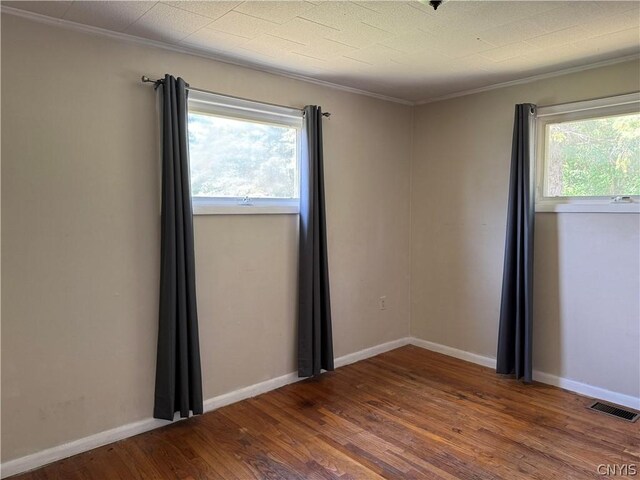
547,308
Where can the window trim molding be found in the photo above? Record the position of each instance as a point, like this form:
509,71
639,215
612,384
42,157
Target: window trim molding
233,107
587,105
239,206
237,108
616,105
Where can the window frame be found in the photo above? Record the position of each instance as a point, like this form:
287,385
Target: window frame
584,110
240,109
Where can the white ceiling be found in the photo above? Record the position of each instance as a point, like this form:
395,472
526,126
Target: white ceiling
400,49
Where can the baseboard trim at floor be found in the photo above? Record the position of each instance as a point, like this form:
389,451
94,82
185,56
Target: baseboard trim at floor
273,383
371,352
454,352
587,390
50,455
44,457
542,377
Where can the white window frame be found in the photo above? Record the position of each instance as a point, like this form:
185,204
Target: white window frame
236,108
602,107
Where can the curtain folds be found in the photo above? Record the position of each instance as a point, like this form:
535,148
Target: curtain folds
315,344
516,309
178,375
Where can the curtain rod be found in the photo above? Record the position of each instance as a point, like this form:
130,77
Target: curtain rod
146,79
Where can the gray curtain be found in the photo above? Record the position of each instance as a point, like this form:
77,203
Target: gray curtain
516,310
178,376
315,345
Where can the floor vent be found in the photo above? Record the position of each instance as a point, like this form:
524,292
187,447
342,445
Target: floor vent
620,413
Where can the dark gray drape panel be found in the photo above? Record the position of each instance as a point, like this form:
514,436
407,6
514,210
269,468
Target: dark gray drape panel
178,376
516,310
315,344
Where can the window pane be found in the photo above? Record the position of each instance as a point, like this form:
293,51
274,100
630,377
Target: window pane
594,157
238,158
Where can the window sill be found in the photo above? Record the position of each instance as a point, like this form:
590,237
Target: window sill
559,207
202,206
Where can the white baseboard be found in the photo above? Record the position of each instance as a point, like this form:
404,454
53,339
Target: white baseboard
587,390
250,391
454,352
542,377
371,352
38,459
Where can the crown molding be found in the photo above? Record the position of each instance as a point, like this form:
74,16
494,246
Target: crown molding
217,56
534,78
222,57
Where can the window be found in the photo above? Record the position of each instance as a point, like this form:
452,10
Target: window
244,156
588,156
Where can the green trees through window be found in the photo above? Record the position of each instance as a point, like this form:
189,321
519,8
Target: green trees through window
594,157
238,158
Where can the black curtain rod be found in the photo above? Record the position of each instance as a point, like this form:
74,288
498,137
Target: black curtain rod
160,81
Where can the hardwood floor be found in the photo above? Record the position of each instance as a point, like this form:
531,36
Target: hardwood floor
405,414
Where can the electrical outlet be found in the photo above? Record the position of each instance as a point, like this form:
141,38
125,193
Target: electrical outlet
382,303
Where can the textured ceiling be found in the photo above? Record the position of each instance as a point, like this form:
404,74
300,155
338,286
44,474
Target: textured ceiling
399,49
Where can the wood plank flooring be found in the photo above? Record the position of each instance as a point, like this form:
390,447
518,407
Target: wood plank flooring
405,414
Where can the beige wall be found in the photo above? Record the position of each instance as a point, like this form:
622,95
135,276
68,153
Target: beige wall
587,266
80,226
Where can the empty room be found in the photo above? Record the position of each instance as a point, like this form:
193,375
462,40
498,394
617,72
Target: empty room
318,239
